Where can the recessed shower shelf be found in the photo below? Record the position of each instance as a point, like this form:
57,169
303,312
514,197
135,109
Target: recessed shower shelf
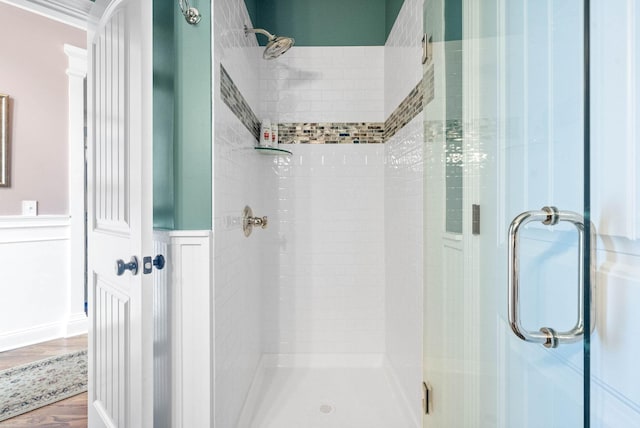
272,151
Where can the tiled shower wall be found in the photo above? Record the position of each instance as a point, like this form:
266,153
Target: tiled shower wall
241,177
329,297
315,280
403,189
324,84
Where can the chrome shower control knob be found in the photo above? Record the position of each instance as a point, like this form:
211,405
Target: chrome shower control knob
249,221
257,221
132,266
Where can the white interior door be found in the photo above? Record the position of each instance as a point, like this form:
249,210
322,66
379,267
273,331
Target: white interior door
120,214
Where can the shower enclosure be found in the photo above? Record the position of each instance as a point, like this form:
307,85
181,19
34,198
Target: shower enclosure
447,277
508,270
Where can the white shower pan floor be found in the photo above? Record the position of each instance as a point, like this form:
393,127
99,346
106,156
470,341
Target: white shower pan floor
315,392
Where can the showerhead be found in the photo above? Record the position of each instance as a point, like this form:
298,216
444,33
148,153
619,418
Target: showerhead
276,45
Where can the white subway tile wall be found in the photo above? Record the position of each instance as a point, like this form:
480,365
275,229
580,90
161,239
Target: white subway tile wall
315,281
329,297
324,84
240,177
403,55
403,225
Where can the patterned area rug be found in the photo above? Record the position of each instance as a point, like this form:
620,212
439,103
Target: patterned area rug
30,386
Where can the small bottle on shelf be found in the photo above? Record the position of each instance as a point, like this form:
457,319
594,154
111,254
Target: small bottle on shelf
274,135
265,133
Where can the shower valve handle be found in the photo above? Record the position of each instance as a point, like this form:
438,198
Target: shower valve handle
249,221
257,221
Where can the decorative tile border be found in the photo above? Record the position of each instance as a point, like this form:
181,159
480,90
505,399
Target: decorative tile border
233,98
331,133
429,85
409,108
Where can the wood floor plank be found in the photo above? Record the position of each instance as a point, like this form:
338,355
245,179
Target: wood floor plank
39,351
69,413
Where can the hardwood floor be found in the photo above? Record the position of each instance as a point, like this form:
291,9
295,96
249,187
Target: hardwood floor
69,413
36,352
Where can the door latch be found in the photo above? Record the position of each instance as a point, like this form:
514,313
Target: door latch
148,263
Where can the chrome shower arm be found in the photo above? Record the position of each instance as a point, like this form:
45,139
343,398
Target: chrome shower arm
248,30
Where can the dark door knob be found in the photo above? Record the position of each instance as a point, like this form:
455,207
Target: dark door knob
158,262
121,266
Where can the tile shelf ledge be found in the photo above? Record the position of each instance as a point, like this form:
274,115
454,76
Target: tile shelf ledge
272,151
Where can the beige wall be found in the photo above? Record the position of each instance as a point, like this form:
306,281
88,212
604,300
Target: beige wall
32,73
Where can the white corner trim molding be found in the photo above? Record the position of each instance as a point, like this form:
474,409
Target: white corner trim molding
70,12
77,61
76,73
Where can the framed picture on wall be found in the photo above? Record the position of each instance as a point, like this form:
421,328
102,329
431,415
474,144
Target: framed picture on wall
5,156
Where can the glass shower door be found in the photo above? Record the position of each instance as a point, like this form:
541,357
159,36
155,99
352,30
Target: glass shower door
505,282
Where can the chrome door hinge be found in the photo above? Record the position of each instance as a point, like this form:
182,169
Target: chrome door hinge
426,398
475,219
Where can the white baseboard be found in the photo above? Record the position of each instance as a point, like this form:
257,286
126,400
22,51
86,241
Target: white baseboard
33,335
76,324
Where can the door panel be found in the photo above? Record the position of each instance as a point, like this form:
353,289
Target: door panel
521,147
120,214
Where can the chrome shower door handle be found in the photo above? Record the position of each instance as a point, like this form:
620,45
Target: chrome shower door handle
547,336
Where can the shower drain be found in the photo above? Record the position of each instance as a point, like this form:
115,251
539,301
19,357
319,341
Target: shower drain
326,408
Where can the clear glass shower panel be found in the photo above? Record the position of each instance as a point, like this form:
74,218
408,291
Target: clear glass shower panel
504,135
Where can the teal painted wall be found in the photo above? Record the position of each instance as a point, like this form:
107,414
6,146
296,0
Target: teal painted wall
163,115
452,20
182,172
433,19
392,9
327,22
454,148
193,114
252,8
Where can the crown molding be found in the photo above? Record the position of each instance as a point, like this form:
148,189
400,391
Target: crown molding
70,12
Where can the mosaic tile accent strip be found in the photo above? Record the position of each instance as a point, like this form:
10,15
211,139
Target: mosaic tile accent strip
234,99
409,108
331,133
428,81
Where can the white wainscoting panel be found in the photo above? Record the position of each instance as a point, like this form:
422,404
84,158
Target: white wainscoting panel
162,301
35,281
615,116
615,348
615,208
189,264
